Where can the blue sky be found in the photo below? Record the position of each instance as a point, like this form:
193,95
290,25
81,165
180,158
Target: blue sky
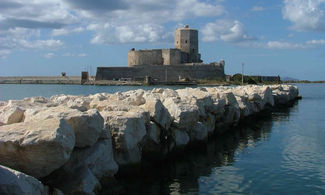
47,37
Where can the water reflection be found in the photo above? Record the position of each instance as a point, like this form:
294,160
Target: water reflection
207,168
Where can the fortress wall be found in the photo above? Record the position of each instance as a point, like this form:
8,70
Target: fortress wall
171,56
144,57
159,73
112,73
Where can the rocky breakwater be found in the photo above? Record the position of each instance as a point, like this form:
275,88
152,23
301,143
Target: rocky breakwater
71,144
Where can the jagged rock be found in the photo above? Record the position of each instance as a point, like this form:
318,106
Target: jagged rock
202,98
244,106
210,123
185,112
199,132
98,158
266,94
79,104
181,138
128,130
154,132
157,110
232,111
80,181
152,140
87,126
85,168
284,93
36,147
11,114
134,98
17,183
218,102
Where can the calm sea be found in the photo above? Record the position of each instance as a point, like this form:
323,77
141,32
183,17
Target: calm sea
281,152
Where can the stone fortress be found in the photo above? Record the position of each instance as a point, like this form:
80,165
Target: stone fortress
182,63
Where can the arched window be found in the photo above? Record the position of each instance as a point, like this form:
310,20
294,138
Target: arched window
185,41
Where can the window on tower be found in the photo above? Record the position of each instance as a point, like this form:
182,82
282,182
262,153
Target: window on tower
185,41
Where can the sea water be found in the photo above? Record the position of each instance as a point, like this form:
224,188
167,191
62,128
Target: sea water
280,152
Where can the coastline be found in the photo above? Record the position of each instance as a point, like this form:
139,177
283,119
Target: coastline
104,133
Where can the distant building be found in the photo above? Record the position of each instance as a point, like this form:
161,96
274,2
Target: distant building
167,65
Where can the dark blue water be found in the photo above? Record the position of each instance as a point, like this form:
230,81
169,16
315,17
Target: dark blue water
281,152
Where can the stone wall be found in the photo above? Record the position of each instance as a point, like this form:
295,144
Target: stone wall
160,73
157,57
142,57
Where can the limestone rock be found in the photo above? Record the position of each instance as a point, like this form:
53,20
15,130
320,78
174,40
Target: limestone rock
36,147
17,183
98,158
80,181
11,114
87,126
199,132
79,103
180,137
85,168
232,111
244,106
134,98
202,98
284,93
127,130
157,110
152,140
154,132
185,112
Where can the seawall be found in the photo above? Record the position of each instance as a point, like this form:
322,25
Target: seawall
41,80
73,143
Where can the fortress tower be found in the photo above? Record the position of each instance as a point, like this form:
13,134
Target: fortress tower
186,40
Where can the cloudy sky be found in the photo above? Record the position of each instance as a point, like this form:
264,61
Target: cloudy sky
47,37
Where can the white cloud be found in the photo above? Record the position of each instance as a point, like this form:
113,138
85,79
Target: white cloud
64,31
257,8
73,55
4,53
316,42
41,44
127,33
123,21
226,30
82,55
143,20
36,14
67,54
306,15
284,45
49,55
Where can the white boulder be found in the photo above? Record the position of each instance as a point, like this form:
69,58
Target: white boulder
36,147
127,130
